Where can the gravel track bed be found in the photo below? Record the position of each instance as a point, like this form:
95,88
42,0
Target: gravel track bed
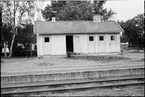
136,90
73,86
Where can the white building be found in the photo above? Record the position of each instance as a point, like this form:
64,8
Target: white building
89,37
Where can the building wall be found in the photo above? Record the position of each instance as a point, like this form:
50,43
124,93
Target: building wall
58,43
83,43
91,44
80,42
107,36
39,45
118,43
102,45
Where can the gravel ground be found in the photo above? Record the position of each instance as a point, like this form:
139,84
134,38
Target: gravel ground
103,58
136,90
128,57
27,65
124,91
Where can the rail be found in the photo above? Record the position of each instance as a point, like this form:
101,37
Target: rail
70,85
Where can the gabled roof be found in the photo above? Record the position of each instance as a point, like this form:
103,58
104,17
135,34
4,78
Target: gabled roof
64,27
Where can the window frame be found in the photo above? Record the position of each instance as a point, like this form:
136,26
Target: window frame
101,39
112,38
91,38
46,39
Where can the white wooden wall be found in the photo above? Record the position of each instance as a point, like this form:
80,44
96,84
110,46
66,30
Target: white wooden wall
83,44
39,45
118,43
58,44
83,41
107,36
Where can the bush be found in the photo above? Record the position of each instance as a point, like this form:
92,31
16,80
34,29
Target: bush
19,51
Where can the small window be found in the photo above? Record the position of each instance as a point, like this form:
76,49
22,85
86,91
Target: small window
46,39
101,38
91,38
112,38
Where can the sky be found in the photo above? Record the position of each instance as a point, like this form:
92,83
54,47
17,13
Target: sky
125,9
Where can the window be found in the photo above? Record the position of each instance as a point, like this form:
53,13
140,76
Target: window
46,39
112,38
101,38
91,38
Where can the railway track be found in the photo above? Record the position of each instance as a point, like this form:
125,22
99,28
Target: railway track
55,86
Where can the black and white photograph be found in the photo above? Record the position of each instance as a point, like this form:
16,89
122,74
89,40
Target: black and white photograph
53,48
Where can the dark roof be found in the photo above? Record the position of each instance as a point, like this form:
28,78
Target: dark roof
64,27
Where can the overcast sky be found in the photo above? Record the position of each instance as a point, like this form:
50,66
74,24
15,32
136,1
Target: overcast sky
125,9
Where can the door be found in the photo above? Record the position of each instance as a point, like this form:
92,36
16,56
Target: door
91,44
101,44
69,43
77,44
113,43
47,45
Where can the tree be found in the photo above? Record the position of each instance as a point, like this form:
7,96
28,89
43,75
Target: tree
1,24
26,35
98,8
133,29
3,39
14,13
76,10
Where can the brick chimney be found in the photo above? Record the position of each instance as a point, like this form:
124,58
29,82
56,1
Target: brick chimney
97,18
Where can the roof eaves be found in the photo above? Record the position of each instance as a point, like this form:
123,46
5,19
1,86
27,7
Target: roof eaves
109,32
119,26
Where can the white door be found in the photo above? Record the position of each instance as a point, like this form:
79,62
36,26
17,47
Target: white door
101,44
46,45
91,44
113,43
77,44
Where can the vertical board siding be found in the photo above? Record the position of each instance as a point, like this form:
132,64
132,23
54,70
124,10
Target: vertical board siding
77,43
83,40
107,43
47,46
118,43
102,44
96,43
82,43
58,44
39,45
91,44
